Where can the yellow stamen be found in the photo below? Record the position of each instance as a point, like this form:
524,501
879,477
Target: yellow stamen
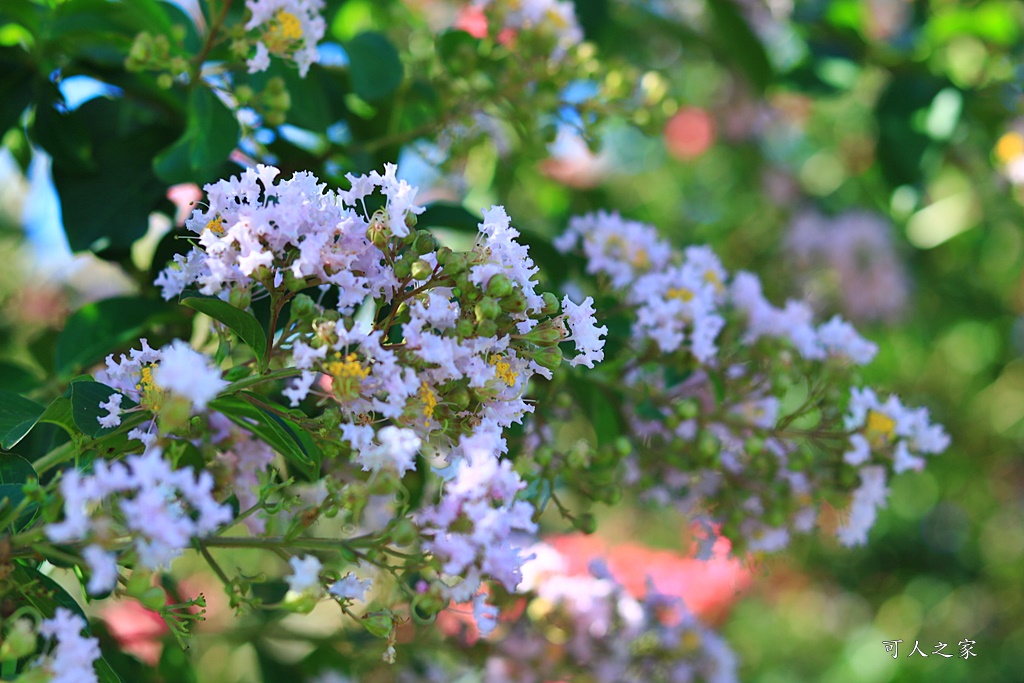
712,278
150,393
681,293
503,369
881,424
1009,147
347,369
429,401
216,226
287,25
348,375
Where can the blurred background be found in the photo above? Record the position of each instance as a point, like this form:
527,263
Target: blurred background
865,154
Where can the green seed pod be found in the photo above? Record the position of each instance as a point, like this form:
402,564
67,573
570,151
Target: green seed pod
464,328
443,254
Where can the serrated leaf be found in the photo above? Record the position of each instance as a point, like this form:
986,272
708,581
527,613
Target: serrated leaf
96,329
283,435
375,66
240,322
17,416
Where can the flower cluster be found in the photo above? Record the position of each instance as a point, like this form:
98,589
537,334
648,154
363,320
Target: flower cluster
589,625
882,432
851,259
154,378
72,659
471,531
734,409
160,508
555,19
423,354
288,28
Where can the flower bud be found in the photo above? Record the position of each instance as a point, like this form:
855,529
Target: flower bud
18,642
425,243
486,309
499,286
514,302
551,305
303,307
459,398
550,357
404,532
486,328
464,328
585,523
421,270
443,254
403,268
153,598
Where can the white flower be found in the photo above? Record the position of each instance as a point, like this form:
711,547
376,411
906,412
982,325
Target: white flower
486,615
72,660
584,332
350,587
113,407
161,509
864,508
841,339
397,449
103,569
188,373
305,575
259,61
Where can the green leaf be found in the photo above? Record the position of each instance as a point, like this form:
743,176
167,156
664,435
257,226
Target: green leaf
374,64
59,413
86,396
17,416
46,595
198,154
17,378
240,322
740,43
15,85
283,435
106,204
15,471
96,329
447,215
103,30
